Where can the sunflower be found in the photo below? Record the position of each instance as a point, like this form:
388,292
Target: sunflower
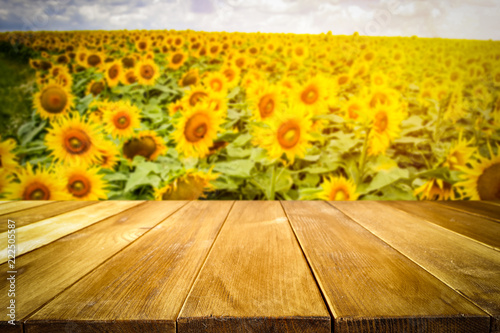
288,132
7,157
121,120
459,154
232,75
482,180
82,182
39,184
142,45
196,95
216,82
455,109
313,95
190,186
5,180
108,155
146,144
189,78
53,100
175,107
338,188
147,72
435,189
113,72
73,140
94,59
95,88
264,99
299,52
385,127
129,77
177,59
355,109
197,129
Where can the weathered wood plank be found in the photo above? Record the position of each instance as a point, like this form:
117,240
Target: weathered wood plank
30,215
479,208
369,286
465,265
142,288
35,235
45,272
255,279
475,227
14,206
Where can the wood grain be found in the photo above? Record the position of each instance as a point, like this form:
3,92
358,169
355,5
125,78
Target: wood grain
475,227
142,288
479,208
465,265
14,206
35,235
30,215
45,272
255,279
369,286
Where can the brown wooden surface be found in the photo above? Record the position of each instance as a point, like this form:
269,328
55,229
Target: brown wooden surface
44,273
478,228
35,235
142,288
378,267
485,209
369,286
255,279
34,214
465,265
14,206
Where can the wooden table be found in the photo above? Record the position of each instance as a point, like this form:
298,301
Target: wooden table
268,266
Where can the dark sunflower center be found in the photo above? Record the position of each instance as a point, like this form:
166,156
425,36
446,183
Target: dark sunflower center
289,134
142,45
381,121
79,186
36,191
76,142
216,85
299,51
147,71
96,88
190,79
266,106
113,72
145,146
230,74
177,58
130,77
122,121
54,99
196,97
94,60
309,95
343,80
353,111
196,127
488,184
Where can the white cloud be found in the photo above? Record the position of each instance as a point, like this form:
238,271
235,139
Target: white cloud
476,19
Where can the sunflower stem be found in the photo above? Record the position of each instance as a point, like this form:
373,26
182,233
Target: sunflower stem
273,182
437,135
362,161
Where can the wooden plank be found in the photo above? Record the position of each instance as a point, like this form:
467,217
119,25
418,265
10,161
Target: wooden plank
480,229
14,206
479,208
369,286
35,235
44,273
31,215
465,265
255,279
142,288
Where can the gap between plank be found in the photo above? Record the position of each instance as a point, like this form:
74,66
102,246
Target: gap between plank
395,249
440,226
318,284
469,212
202,266
105,261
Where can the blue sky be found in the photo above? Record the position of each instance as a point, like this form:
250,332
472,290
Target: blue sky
473,19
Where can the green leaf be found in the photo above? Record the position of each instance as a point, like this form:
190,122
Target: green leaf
242,140
238,152
233,92
141,178
33,133
384,178
117,176
236,168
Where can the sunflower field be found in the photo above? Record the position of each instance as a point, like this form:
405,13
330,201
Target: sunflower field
186,115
